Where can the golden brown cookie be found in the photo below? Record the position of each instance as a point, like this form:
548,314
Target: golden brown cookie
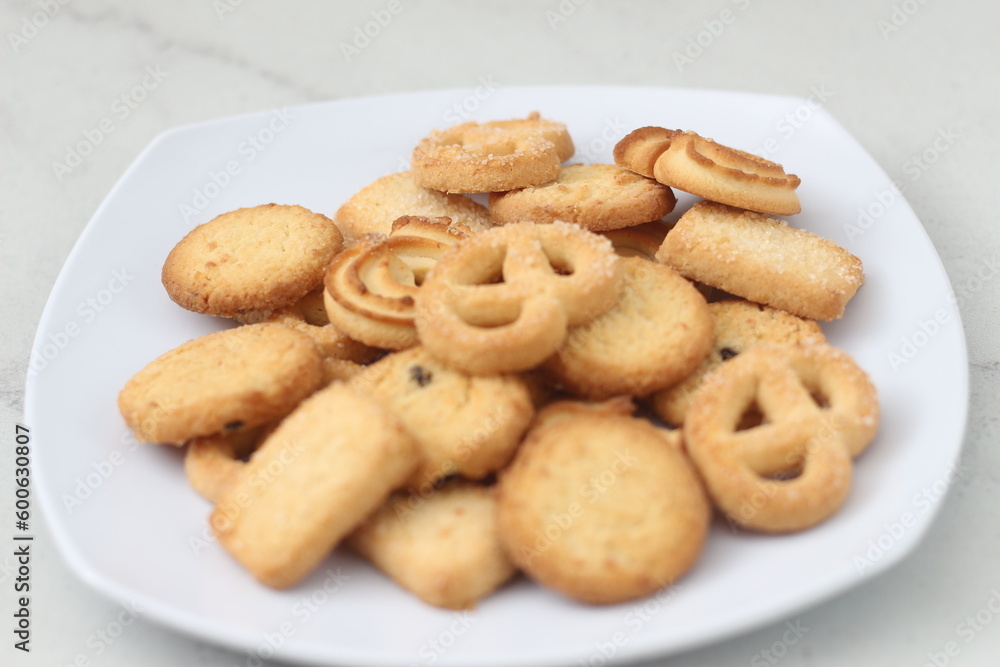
325,468
597,505
739,325
639,240
790,467
595,196
251,259
657,332
464,424
705,168
213,462
762,259
371,287
308,315
441,229
443,548
492,157
224,381
502,301
373,209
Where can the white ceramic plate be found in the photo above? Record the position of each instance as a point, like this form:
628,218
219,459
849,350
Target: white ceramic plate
127,522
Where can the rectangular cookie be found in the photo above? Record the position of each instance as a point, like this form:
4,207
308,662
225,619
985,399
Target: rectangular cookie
761,258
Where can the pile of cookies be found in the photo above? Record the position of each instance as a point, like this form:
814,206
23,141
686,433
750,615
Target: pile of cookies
558,383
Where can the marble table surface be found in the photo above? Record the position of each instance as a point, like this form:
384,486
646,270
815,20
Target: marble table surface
917,83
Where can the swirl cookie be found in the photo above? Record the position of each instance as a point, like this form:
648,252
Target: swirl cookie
445,550
371,287
251,259
373,209
762,259
311,483
492,157
224,381
463,424
595,196
689,162
739,325
503,300
598,506
656,333
792,469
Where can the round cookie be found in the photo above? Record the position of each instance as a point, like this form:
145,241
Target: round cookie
224,381
442,547
464,424
694,164
597,197
373,209
492,157
739,325
251,259
657,331
598,506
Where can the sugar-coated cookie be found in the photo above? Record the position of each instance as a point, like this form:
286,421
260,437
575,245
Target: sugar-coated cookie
323,470
492,157
224,381
739,325
251,259
502,301
442,547
763,259
657,332
595,196
373,209
789,468
598,506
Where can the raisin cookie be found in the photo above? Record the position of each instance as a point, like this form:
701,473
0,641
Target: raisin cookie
223,381
464,424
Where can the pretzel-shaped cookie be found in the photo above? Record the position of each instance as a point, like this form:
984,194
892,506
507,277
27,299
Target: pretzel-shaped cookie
692,163
817,410
370,287
503,300
492,157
